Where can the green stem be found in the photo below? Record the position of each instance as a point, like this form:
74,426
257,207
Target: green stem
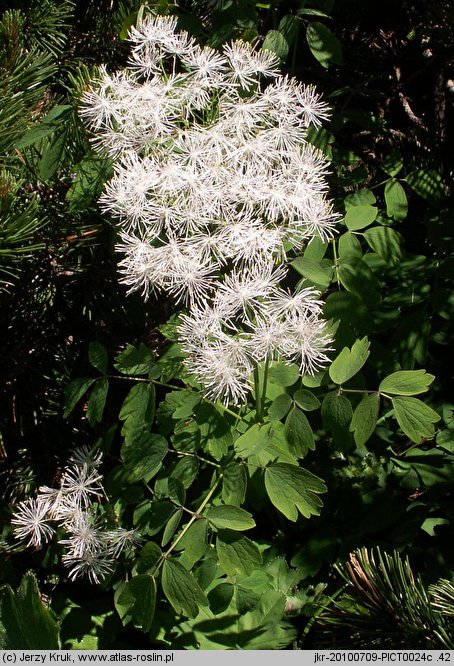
336,262
195,516
195,455
344,390
177,388
258,401
265,382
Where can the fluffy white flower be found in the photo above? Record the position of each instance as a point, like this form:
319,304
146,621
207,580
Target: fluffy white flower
30,522
85,537
93,565
251,242
160,32
215,184
223,367
300,304
80,482
245,290
247,64
120,539
206,65
307,343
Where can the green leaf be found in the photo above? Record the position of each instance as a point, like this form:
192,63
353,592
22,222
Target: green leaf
97,401
150,517
182,403
346,307
171,527
316,248
428,184
137,600
91,175
392,163
306,400
321,547
337,414
142,454
385,242
257,438
137,410
288,26
215,434
234,484
303,11
237,554
149,556
34,135
27,623
220,597
359,217
51,156
430,524
357,277
298,433
133,361
186,436
415,418
319,273
349,362
325,47
284,579
363,197
284,374
292,489
97,355
275,41
194,543
58,112
279,407
182,589
230,517
349,245
186,471
74,391
406,382
364,419
396,200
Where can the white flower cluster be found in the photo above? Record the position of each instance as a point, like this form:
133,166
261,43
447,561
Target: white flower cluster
89,547
214,184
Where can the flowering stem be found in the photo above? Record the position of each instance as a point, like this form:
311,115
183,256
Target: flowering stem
265,382
336,262
258,401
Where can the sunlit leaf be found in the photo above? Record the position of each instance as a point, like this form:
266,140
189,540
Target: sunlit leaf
292,489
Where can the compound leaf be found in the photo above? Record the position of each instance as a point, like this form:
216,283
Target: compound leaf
230,517
292,489
181,588
364,419
406,382
237,554
298,433
349,362
415,418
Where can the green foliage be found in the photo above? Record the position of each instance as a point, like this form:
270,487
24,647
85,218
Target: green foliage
135,601
25,623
